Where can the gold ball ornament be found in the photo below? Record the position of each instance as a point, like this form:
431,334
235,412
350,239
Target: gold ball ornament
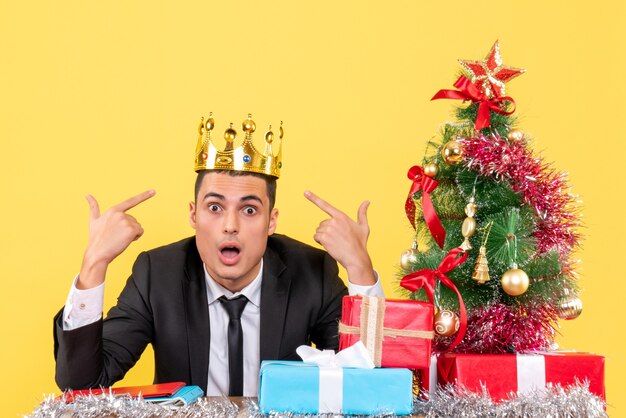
515,135
569,307
515,282
408,258
269,135
446,323
452,152
230,134
248,125
201,127
210,122
208,125
431,169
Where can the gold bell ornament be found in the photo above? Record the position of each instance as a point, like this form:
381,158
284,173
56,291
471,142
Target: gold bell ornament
446,323
569,306
481,269
452,152
515,281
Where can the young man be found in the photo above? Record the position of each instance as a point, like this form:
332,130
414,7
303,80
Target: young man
181,297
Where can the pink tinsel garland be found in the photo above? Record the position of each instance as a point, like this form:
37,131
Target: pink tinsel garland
541,187
500,328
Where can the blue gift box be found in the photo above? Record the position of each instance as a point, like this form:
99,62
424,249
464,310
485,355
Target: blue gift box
294,386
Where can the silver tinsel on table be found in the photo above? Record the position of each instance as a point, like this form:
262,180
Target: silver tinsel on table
450,401
552,402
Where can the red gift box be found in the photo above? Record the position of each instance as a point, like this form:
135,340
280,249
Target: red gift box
397,333
503,374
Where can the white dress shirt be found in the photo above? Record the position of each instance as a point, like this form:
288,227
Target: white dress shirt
218,381
84,307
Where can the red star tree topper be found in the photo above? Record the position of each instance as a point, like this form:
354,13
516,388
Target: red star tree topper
489,75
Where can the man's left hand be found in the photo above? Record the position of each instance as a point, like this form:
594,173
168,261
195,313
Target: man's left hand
346,240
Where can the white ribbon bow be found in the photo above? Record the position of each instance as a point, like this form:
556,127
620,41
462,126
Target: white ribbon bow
355,356
331,371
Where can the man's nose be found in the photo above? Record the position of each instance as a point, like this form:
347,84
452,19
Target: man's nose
231,222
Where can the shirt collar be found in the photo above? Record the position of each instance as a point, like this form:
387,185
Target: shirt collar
251,291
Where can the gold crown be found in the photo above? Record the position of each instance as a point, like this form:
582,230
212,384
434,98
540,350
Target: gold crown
243,158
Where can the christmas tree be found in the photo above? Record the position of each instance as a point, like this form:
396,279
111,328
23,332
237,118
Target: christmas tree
494,222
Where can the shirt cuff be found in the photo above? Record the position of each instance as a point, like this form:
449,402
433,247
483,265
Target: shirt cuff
82,307
373,290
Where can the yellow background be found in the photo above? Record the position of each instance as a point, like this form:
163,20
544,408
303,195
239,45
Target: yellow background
104,98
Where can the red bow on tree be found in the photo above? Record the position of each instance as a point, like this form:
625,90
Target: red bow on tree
427,185
469,91
427,278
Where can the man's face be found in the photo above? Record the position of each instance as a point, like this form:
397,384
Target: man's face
232,219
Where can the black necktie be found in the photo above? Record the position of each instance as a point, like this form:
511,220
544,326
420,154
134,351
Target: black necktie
234,307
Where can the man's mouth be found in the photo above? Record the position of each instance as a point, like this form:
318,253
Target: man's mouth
229,253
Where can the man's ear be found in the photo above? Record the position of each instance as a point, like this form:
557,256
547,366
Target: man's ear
273,222
192,214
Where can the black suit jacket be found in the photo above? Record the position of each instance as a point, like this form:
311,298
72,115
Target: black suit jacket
165,304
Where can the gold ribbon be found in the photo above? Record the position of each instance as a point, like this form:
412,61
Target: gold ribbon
372,332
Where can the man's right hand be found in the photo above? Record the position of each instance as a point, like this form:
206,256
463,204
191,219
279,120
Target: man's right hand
109,235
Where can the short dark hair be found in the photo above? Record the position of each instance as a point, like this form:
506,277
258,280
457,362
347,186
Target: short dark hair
270,182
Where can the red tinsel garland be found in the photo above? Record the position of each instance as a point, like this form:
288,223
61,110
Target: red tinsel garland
540,185
500,328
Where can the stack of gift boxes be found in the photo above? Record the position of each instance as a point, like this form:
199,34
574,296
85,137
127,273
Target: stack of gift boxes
397,336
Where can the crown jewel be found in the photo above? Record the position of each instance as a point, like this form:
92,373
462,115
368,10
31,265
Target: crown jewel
245,157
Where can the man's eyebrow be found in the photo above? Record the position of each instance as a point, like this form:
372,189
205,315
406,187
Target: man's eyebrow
215,195
251,197
243,199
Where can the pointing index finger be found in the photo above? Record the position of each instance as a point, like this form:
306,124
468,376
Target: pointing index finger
135,200
322,204
94,208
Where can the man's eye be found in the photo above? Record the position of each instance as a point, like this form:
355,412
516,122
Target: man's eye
214,208
249,210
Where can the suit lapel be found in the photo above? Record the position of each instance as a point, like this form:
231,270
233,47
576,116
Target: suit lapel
274,297
197,317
